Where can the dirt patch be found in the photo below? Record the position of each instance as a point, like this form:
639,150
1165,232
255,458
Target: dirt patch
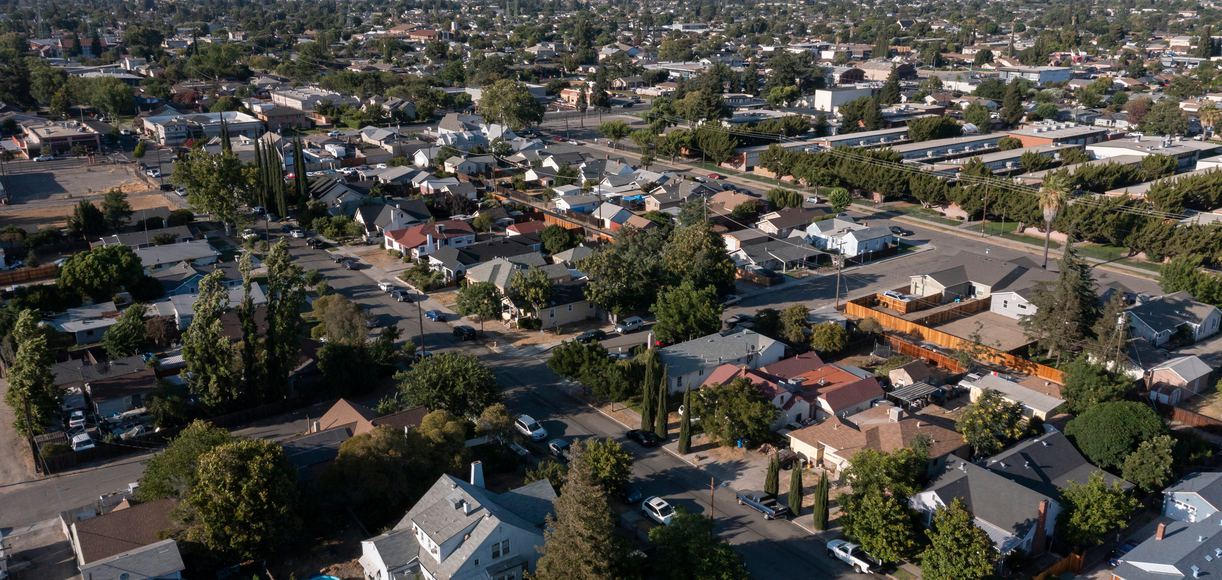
377,257
337,555
16,464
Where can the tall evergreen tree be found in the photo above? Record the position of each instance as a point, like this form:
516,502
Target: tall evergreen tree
882,46
821,498
1111,332
1012,104
652,362
579,541
205,348
285,300
661,415
890,93
226,144
1065,309
31,385
127,334
772,484
685,423
794,499
299,172
250,331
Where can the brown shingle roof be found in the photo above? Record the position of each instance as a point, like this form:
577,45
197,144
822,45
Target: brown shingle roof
124,529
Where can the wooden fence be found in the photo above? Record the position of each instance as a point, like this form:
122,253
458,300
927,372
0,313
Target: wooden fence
942,360
45,272
862,308
592,226
1191,418
1071,563
952,312
907,306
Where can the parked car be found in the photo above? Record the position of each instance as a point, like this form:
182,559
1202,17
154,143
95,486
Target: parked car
764,504
645,438
463,332
149,172
435,315
80,440
181,191
249,234
631,494
421,354
731,300
1121,550
41,158
630,324
339,258
714,176
316,243
658,510
401,295
297,233
529,427
386,285
351,264
853,555
740,319
76,420
591,336
896,230
559,448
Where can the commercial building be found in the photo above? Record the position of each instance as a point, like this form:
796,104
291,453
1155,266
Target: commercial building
177,129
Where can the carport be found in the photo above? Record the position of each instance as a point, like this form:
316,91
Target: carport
916,395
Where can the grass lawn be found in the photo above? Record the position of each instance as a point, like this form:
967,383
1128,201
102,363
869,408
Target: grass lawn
713,167
928,214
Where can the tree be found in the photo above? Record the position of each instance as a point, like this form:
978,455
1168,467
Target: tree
1088,384
1094,509
716,143
1065,310
1054,193
172,472
1008,143
32,394
821,503
480,299
206,349
496,422
1012,104
100,272
793,325
286,298
781,96
1165,118
579,541
127,335
685,312
829,337
926,128
782,198
794,499
457,383
1108,432
139,151
86,220
1149,466
958,549
377,473
890,92
990,423
510,103
839,198
860,114
982,57
978,115
661,413
532,287
250,329
1111,333
690,549
614,130
608,463
772,477
882,525
696,254
215,183
243,499
341,321
735,411
685,423
115,209
625,276
653,373
557,239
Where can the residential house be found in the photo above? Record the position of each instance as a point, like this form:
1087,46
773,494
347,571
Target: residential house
180,307
572,256
1179,378
337,196
424,239
379,218
612,216
577,203
835,390
912,372
310,454
459,529
533,227
1186,540
779,255
833,442
1036,404
566,304
690,363
1040,75
127,543
783,221
156,258
145,238
1014,303
1015,517
1047,464
849,238
453,262
792,407
1159,319
361,419
114,394
976,277
87,324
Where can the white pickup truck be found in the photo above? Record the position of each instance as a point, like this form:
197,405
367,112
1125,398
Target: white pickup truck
851,554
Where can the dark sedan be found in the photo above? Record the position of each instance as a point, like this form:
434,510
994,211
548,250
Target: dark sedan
645,438
463,332
591,336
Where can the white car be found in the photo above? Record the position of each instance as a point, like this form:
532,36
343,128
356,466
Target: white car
45,158
249,234
334,134
630,324
76,419
386,285
529,427
658,510
152,172
81,441
851,554
297,233
181,191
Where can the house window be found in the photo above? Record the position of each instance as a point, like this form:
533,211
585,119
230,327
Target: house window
500,549
1005,303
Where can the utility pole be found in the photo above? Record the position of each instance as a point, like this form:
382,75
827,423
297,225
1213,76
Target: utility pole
420,319
838,261
984,214
712,494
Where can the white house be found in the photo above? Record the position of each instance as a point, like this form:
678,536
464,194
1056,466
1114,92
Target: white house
424,239
1158,319
689,363
1013,303
155,258
1035,403
842,234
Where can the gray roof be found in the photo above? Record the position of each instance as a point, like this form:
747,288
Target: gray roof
171,253
145,237
1007,508
397,548
996,274
1170,311
572,255
712,350
1015,392
305,451
497,271
1188,367
1047,464
1183,547
1207,485
160,559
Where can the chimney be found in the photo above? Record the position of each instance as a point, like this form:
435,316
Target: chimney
477,474
894,414
1041,522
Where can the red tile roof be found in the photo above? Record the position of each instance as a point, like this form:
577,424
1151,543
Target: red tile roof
417,236
794,365
531,227
839,388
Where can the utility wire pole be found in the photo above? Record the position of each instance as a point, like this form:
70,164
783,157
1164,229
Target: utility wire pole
712,495
838,261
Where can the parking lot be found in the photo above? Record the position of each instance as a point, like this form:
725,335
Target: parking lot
42,194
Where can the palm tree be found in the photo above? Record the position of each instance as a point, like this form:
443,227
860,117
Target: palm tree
1053,195
1210,114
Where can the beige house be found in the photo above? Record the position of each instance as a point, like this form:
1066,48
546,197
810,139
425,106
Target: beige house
833,443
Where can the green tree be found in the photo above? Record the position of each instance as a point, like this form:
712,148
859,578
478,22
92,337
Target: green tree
882,525
138,152
697,254
690,549
821,503
206,349
990,423
733,411
716,143
1108,432
890,92
772,478
127,335
1088,384
661,413
532,287
557,239
1012,104
86,220
1110,333
341,321
1009,143
1054,194
1094,509
794,499
243,500
793,325
455,382
653,373
286,295
1149,466
685,312
608,463
100,272
926,128
1165,118
172,472
31,394
215,183
115,209
496,422
510,103
978,115
579,541
377,473
251,371
829,337
839,198
1065,310
958,549
614,130
479,299
553,471
685,424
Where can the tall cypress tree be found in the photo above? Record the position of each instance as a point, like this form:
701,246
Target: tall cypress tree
299,171
772,483
31,394
795,490
647,396
205,349
285,299
1012,104
579,540
685,423
821,493
890,93
1065,309
251,377
660,415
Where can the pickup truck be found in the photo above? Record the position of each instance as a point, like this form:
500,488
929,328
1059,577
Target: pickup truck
851,554
763,503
